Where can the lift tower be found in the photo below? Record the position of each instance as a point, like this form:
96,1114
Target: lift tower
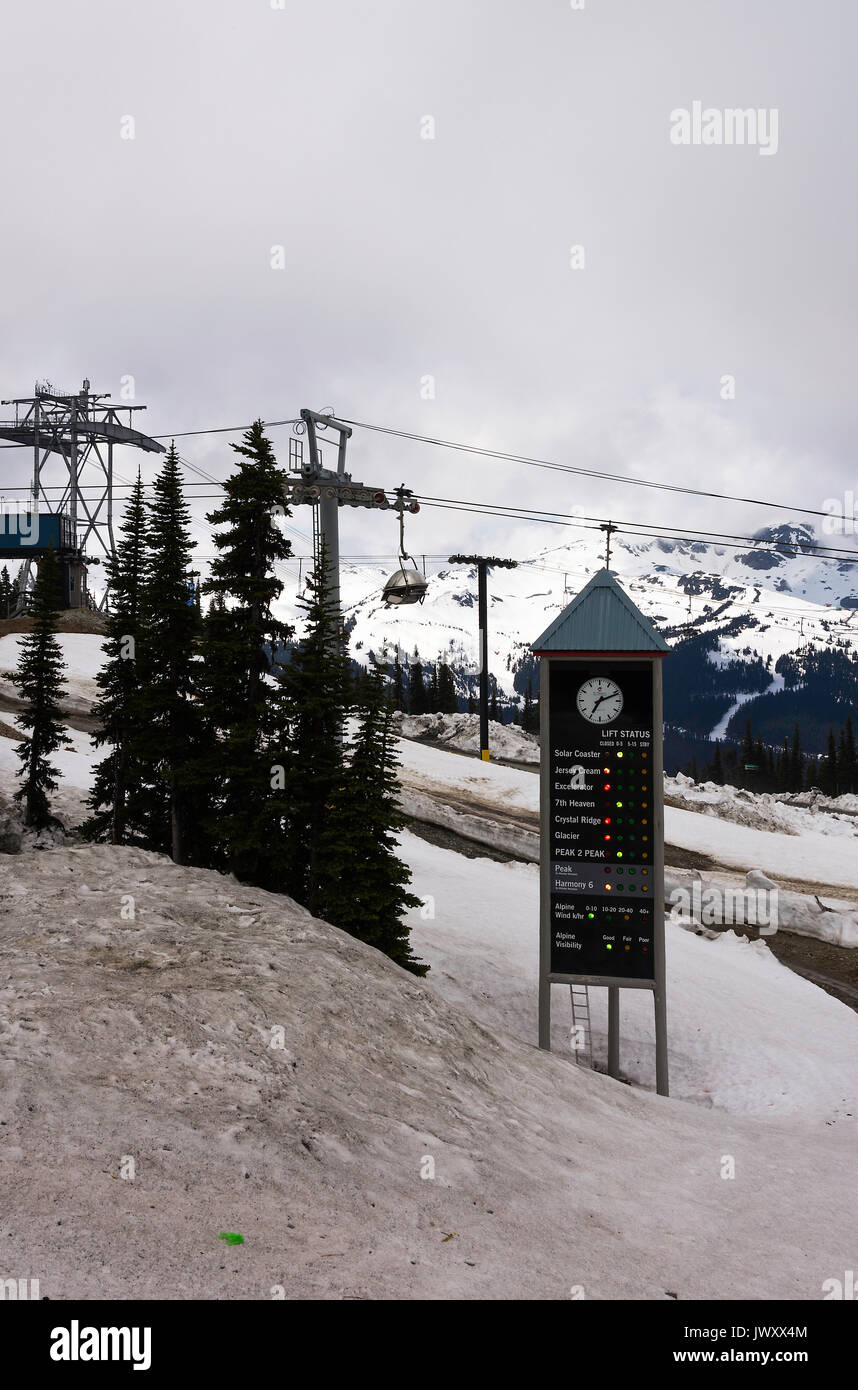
80,430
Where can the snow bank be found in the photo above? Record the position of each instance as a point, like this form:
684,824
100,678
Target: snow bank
462,732
789,815
264,1073
746,1034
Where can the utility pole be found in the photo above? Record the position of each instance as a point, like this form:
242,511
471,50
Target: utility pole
483,562
609,528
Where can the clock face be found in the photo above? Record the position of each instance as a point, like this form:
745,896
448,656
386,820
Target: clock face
599,700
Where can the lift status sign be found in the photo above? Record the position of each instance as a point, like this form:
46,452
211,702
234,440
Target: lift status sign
602,825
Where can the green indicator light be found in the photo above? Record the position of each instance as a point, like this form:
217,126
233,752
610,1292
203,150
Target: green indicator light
632,887
619,854
619,803
619,755
621,888
610,947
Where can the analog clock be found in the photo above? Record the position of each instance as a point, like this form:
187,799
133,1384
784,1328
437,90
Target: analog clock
599,700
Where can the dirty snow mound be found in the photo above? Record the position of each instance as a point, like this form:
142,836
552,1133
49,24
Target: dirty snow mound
462,733
224,1062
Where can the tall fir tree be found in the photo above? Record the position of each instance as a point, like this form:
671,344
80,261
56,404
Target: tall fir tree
829,770
117,779
796,762
314,701
849,775
716,768
363,885
418,695
398,683
527,709
170,741
432,689
40,681
7,593
746,758
447,700
239,705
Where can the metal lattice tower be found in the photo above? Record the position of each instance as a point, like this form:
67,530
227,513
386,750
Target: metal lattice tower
81,429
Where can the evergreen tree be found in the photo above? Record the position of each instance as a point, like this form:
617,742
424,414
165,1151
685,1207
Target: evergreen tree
240,713
117,778
432,690
6,594
849,770
795,762
746,757
493,700
398,683
447,701
418,699
716,770
472,704
315,697
39,679
829,770
363,886
527,711
782,767
170,733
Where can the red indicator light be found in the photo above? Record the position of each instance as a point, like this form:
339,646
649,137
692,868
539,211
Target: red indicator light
607,787
607,837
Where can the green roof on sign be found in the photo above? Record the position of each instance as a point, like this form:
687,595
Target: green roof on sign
601,619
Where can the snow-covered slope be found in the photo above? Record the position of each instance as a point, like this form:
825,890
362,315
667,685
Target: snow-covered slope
224,1062
758,601
735,1012
269,1075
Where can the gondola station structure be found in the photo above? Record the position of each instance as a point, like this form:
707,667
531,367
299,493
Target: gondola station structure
70,437
602,808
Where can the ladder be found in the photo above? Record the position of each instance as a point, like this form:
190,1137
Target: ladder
581,1037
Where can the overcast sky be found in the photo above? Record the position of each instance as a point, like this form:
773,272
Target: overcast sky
407,258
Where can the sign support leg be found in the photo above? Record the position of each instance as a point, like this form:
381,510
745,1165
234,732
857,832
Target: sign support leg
661,1082
613,1032
544,1014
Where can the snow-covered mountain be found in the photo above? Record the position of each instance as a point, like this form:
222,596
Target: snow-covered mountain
758,601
